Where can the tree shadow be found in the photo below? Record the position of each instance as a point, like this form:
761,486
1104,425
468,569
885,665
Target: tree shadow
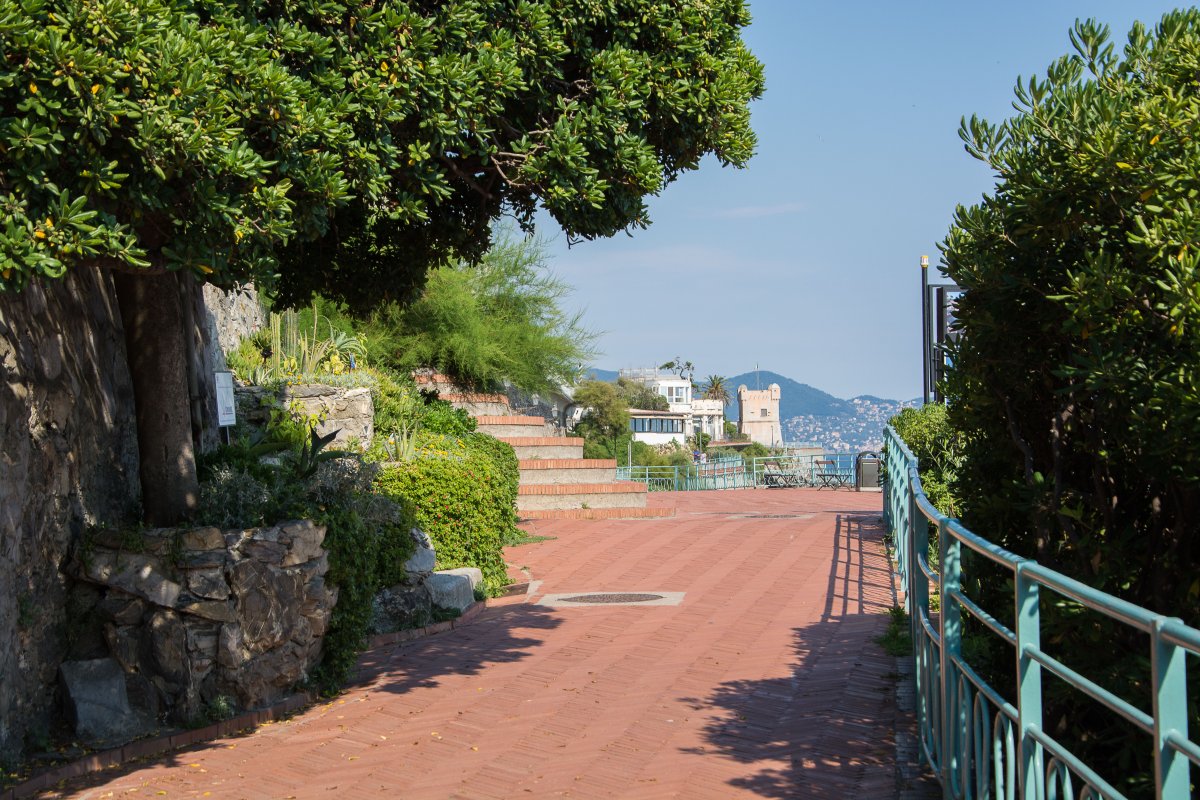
826,730
502,634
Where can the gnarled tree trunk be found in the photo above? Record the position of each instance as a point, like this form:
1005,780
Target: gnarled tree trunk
154,322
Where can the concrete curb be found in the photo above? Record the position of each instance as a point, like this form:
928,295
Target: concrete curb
246,721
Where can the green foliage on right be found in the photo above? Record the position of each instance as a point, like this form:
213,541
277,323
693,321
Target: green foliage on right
462,492
1076,380
935,444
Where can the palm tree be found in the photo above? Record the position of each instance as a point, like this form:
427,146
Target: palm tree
716,389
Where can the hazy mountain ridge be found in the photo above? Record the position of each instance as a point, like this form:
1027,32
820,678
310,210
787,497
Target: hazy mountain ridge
808,414
795,399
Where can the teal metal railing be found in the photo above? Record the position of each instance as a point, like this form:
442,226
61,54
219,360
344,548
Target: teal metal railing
724,474
980,744
735,473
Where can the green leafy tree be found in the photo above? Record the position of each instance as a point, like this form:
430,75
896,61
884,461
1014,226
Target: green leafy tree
677,364
482,324
607,412
935,444
641,396
1076,380
336,147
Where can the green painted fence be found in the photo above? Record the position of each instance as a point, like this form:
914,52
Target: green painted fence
989,742
827,469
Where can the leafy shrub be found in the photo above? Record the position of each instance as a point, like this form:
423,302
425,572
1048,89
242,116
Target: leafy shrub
398,404
440,417
936,446
1075,377
463,494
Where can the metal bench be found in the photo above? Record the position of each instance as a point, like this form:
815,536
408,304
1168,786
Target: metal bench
774,475
827,475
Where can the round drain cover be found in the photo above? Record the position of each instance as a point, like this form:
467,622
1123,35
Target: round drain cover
612,598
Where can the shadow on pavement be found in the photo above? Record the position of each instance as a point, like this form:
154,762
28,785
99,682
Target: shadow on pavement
502,634
825,730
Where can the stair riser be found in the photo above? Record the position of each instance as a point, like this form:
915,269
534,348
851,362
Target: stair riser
482,409
530,477
548,451
535,502
500,431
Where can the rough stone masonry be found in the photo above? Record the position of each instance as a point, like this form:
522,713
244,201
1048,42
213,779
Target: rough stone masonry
196,616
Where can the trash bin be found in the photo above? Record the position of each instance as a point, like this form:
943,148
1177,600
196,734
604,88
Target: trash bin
866,470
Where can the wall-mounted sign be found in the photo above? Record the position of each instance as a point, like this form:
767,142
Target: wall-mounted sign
226,408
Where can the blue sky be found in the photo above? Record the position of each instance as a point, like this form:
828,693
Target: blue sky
807,261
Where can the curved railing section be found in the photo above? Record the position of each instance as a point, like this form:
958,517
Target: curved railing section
980,743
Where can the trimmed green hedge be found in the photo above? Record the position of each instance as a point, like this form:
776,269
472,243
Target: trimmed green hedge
463,492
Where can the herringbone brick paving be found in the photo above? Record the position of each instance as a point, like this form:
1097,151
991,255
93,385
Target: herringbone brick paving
763,682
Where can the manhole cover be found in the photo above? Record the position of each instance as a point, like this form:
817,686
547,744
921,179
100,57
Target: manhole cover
612,598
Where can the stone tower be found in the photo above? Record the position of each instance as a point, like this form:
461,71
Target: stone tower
758,415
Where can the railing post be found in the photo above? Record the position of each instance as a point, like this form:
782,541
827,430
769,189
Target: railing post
1029,680
953,714
1169,668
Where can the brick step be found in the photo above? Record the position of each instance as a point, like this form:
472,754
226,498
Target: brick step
514,426
567,470
598,513
618,494
539,447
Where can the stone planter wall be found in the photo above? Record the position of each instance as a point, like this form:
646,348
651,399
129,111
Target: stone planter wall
350,411
199,615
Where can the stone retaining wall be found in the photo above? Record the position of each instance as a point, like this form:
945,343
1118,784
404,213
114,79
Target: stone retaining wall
197,615
68,459
348,410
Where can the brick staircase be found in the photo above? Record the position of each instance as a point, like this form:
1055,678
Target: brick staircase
557,482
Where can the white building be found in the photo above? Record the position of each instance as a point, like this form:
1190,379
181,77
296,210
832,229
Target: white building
657,427
695,414
708,417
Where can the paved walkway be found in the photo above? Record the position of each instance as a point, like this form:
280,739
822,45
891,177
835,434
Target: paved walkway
763,681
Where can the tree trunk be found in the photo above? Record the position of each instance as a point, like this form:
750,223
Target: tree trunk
154,339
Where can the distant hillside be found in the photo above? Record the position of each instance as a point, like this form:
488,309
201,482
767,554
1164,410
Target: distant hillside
796,399
810,415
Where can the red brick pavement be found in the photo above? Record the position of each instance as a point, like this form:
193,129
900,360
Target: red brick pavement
763,682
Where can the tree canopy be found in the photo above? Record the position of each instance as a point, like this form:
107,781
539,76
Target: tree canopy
1077,377
327,145
716,388
640,395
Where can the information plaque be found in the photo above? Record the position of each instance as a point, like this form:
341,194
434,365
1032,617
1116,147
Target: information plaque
226,408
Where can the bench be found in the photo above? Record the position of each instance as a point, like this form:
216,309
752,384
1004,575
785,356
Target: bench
774,475
828,476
